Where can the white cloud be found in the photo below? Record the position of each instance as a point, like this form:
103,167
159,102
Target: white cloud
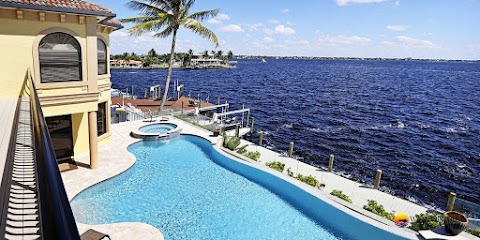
415,43
397,3
290,23
219,19
343,40
214,21
398,28
274,21
268,40
231,28
281,30
286,10
347,2
256,26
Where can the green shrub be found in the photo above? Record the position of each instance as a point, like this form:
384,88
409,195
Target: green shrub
341,195
427,221
233,143
474,231
225,139
243,149
310,180
378,209
253,155
276,165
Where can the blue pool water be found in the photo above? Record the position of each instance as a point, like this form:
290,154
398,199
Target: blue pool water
160,128
187,189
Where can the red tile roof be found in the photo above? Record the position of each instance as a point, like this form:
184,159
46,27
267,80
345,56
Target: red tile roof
112,23
69,6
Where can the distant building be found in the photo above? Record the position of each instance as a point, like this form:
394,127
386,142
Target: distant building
126,64
200,61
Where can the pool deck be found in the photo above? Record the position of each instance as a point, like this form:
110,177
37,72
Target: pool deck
114,159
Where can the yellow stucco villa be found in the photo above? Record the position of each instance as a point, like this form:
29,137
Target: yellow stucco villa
54,105
65,45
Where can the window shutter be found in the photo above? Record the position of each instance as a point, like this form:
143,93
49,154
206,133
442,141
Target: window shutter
60,58
102,57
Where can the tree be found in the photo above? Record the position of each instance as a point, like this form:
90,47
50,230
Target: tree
152,53
219,54
230,54
167,16
205,54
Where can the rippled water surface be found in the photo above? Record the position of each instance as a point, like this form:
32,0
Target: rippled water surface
417,121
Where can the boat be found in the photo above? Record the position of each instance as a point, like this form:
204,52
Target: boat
263,60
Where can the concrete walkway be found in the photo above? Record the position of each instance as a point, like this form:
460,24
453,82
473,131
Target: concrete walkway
358,193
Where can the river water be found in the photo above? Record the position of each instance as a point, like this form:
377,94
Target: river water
418,121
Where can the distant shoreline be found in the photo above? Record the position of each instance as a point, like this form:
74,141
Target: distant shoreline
351,58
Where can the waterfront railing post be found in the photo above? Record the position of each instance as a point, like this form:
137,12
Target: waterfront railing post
290,151
218,101
451,201
330,163
248,118
237,130
260,140
377,179
183,106
253,122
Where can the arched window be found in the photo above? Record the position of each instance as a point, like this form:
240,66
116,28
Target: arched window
102,57
60,58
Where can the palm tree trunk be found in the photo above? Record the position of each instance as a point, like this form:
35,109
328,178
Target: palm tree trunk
170,70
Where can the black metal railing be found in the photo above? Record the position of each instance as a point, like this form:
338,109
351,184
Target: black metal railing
57,221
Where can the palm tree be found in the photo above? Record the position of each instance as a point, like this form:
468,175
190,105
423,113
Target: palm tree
205,54
230,54
167,16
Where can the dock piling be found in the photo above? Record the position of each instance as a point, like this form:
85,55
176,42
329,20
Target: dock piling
218,101
183,106
290,151
260,140
253,122
237,130
330,163
377,179
451,201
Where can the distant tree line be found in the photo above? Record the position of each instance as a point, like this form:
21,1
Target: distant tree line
184,58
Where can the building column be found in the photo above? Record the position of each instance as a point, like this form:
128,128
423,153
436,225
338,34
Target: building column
92,136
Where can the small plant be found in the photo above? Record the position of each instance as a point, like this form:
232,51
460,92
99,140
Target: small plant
474,231
378,209
243,149
253,155
225,139
289,172
310,180
341,195
276,165
426,221
233,143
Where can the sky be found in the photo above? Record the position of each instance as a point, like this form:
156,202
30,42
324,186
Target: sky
438,29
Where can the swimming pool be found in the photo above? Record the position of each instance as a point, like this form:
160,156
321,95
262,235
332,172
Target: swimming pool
161,128
189,190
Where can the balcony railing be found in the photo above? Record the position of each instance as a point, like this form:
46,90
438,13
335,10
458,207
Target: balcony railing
56,217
